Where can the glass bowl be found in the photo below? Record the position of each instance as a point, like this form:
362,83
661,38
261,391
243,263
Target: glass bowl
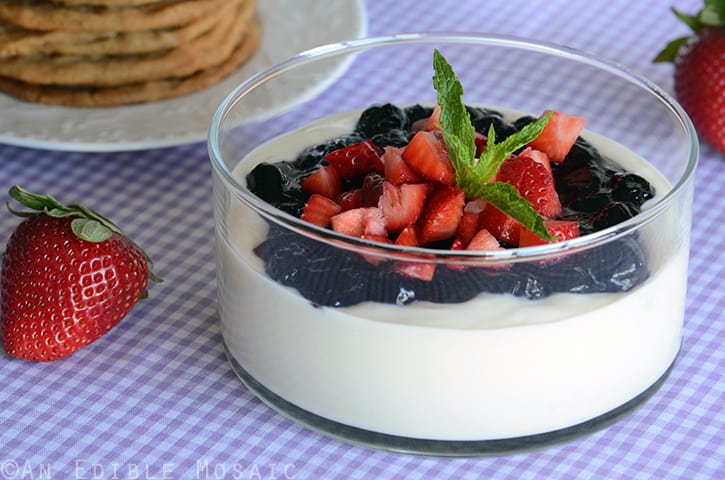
501,351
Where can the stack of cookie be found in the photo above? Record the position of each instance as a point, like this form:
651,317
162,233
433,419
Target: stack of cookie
115,52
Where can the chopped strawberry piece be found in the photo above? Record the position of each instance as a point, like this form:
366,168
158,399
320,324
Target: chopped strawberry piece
376,238
502,226
481,141
373,222
467,228
559,135
319,210
475,206
357,159
537,156
419,270
434,121
562,229
402,205
349,222
427,155
397,171
359,221
484,240
408,236
442,213
349,199
533,182
325,180
371,190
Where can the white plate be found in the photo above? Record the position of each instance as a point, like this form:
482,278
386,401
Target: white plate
184,119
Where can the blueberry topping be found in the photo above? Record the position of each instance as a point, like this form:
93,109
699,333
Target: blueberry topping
593,190
381,119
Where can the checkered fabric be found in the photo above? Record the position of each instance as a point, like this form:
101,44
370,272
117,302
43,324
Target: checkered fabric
155,398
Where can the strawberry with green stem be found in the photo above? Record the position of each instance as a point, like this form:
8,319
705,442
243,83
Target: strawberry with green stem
699,61
69,275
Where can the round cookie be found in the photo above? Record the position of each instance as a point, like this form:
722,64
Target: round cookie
205,51
46,15
137,93
17,41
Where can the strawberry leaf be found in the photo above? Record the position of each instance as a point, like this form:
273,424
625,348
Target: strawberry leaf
90,230
713,13
692,21
669,53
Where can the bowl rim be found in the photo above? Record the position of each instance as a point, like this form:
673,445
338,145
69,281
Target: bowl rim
421,254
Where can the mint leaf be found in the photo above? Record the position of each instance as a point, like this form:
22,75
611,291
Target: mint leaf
460,139
458,132
504,196
495,153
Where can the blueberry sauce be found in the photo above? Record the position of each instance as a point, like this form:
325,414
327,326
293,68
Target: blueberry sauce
594,191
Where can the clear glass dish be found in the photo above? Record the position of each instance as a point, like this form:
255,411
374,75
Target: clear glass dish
444,368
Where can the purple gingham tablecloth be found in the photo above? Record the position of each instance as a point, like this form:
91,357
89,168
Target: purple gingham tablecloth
155,398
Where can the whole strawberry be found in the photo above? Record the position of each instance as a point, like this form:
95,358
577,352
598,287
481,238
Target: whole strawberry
700,70
69,275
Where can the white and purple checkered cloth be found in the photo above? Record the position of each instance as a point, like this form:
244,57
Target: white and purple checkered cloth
156,398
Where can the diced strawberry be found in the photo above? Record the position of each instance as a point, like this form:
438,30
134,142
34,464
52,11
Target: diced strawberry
481,141
442,213
533,182
348,222
419,270
349,199
325,180
376,238
475,205
537,156
559,135
562,229
402,205
434,121
484,240
500,225
357,159
371,190
467,228
408,236
427,155
319,210
359,221
373,222
397,171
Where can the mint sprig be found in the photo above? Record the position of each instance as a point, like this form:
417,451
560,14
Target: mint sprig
474,176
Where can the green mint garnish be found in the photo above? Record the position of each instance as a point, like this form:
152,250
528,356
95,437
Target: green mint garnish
472,175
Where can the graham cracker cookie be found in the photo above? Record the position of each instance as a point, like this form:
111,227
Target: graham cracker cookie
205,51
141,92
47,15
17,41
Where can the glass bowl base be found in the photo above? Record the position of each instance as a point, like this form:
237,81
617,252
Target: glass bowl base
443,448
